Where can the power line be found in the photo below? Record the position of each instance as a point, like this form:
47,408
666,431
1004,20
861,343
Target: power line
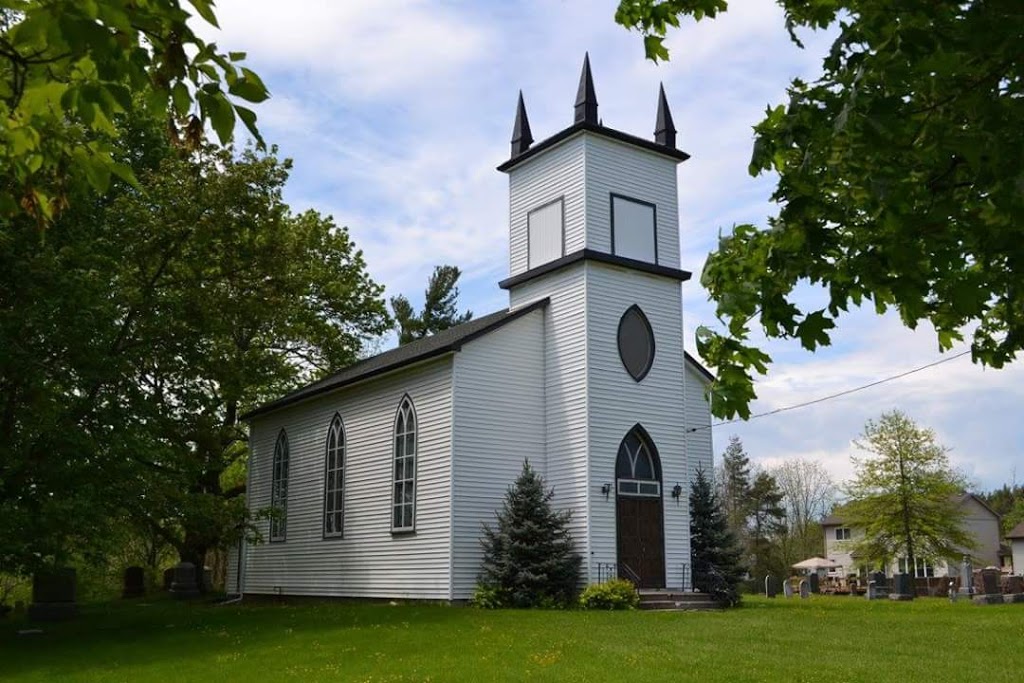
836,395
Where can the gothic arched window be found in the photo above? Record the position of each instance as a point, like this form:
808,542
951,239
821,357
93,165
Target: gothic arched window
637,468
334,479
403,508
279,488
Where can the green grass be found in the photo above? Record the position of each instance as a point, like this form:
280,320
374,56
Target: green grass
824,640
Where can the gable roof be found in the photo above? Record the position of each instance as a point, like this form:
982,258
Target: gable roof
963,498
833,520
1017,531
696,365
433,346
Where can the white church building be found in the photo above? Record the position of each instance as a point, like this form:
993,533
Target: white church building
385,471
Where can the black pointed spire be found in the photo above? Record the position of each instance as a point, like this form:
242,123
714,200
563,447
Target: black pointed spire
664,128
522,138
586,98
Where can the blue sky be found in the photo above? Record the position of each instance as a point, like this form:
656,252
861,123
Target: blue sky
396,113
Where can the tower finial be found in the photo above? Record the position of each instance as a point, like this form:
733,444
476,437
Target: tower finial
522,138
586,98
664,128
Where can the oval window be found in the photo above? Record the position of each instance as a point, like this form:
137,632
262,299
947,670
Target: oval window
636,343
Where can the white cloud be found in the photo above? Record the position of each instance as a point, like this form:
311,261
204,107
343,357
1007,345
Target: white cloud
397,112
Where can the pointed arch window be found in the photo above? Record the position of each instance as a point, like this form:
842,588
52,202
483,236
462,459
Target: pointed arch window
637,468
403,504
279,488
334,479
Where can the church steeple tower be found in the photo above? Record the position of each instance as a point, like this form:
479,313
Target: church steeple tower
522,138
586,98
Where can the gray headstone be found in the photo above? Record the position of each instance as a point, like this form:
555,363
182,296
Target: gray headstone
805,589
184,585
990,581
902,587
207,578
1013,585
134,582
770,589
880,579
815,582
787,588
54,595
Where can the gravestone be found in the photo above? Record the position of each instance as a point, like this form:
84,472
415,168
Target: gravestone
805,589
770,589
184,585
903,587
207,579
54,595
815,582
966,577
1013,589
168,578
787,588
134,582
989,592
878,587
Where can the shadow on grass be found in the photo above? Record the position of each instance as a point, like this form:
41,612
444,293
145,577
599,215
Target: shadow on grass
141,632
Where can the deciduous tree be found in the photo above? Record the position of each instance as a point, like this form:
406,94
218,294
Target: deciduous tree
69,68
899,169
903,494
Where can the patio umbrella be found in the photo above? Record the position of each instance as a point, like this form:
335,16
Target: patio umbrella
816,563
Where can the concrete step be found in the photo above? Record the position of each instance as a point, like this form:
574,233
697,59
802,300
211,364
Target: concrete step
672,595
680,605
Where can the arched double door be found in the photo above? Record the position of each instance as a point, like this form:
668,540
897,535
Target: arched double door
640,528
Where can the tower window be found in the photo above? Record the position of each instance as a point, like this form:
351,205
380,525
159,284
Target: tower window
634,231
545,233
636,343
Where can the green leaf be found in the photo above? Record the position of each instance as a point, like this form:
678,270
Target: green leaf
205,10
654,48
249,87
182,99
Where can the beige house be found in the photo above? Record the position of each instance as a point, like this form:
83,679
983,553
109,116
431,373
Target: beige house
1015,539
979,519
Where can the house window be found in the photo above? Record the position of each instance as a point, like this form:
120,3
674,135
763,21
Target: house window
403,508
634,234
279,488
545,233
334,480
922,567
842,534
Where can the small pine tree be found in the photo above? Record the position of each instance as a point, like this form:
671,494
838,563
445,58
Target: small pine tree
529,557
714,553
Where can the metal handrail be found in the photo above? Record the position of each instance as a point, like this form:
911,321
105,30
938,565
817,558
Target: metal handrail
630,573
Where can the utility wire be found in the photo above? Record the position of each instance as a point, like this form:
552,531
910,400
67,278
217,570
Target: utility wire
832,396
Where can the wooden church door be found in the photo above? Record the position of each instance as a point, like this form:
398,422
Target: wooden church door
639,519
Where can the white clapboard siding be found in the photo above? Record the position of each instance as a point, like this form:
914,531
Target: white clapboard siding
564,388
498,422
698,416
369,561
615,167
616,402
556,173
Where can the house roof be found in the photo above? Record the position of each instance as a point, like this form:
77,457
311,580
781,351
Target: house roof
959,499
963,498
696,364
1017,531
833,520
433,346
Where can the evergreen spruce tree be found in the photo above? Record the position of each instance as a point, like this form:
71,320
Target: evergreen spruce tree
529,557
714,553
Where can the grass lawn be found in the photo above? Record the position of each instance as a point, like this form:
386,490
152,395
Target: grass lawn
824,640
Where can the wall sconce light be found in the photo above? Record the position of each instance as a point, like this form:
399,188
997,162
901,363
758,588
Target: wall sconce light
606,489
677,491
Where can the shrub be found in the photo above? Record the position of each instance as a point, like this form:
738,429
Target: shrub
529,558
614,594
487,597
